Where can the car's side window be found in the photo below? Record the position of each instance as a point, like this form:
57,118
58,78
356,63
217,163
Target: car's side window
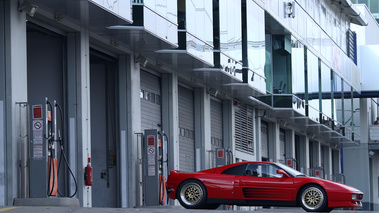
252,170
261,170
235,170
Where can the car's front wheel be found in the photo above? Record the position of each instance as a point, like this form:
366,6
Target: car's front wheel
192,194
313,199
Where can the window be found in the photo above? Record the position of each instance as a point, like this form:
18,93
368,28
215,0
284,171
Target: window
262,170
236,170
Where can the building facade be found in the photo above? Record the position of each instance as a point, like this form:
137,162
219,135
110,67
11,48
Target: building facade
264,80
369,131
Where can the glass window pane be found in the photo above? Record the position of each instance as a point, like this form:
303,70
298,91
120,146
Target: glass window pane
297,60
281,54
348,105
268,63
326,91
313,86
337,92
230,28
255,37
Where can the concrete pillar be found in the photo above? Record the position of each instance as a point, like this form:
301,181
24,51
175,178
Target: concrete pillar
84,115
170,116
328,162
305,156
14,69
202,128
124,180
274,141
290,143
356,158
258,136
133,133
2,102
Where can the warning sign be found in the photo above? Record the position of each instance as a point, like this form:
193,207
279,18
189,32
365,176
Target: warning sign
151,151
151,164
37,139
37,125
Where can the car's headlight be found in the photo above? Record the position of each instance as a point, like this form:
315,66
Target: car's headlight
354,196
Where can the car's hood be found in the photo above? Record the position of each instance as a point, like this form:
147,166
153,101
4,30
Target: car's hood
335,185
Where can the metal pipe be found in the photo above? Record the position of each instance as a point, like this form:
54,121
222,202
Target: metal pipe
55,121
46,123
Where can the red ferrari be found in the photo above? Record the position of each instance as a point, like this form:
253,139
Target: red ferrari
259,184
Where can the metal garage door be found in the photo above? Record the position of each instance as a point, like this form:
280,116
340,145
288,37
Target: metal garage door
104,141
150,101
244,128
186,130
264,141
216,129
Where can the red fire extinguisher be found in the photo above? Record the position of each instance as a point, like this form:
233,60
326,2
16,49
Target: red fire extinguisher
88,174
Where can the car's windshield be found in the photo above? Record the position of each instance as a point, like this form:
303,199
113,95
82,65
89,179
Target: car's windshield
289,170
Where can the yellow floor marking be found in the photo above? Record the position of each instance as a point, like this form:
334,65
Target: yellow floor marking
6,209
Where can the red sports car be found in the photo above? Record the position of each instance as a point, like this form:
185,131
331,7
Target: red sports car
259,184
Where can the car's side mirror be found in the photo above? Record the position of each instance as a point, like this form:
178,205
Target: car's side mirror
282,172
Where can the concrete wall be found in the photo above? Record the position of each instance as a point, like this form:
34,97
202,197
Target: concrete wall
15,90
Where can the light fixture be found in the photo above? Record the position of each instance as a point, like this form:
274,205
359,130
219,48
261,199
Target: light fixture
289,9
261,113
26,6
141,59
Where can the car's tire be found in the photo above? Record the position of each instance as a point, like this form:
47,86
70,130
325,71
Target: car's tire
313,199
192,194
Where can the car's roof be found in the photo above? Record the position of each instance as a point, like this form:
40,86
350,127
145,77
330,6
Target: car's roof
222,168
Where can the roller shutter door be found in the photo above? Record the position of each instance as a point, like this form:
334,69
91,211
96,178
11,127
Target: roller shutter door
264,141
216,129
244,128
186,130
150,101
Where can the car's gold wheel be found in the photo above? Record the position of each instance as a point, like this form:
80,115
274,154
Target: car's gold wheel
192,194
313,198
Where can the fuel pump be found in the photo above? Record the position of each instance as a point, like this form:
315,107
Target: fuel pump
155,167
291,162
46,138
41,130
223,157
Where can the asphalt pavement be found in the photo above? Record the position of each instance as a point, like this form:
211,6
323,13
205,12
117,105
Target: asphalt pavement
176,209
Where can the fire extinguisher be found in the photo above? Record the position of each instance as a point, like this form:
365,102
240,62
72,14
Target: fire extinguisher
88,174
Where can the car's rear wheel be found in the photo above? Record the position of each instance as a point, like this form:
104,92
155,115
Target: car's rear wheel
313,199
192,194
